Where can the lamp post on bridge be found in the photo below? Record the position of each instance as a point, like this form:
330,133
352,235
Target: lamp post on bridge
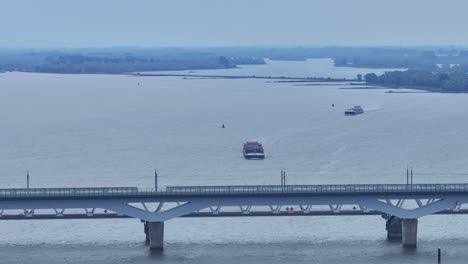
155,180
407,175
283,177
27,180
411,176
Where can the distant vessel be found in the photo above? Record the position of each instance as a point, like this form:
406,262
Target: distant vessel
356,110
253,150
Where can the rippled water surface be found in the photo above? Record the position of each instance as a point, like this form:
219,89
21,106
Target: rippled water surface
106,130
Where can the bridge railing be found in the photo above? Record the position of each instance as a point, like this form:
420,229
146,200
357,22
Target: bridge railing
235,190
359,188
47,192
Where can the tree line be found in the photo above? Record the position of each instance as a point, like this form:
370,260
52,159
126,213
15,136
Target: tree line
115,62
421,79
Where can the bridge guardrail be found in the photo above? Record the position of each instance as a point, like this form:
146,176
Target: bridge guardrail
233,190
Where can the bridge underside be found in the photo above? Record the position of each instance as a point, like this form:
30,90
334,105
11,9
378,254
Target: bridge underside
113,215
160,210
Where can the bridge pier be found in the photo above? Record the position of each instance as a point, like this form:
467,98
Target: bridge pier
394,229
409,232
145,225
154,235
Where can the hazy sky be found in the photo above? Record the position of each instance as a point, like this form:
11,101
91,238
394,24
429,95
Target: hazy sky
77,23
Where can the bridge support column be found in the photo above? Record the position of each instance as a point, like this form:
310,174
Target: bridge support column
155,234
410,232
394,228
145,225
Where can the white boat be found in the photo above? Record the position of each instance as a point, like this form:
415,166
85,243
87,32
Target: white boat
356,110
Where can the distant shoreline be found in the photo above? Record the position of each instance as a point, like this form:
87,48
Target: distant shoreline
287,78
385,88
422,89
364,88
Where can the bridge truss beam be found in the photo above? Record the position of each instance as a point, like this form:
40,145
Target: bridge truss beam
163,209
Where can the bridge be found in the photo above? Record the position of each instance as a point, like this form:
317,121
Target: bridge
400,204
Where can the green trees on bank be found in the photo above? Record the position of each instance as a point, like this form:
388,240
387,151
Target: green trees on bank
117,61
420,79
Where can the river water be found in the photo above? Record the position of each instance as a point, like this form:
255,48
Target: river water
111,130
